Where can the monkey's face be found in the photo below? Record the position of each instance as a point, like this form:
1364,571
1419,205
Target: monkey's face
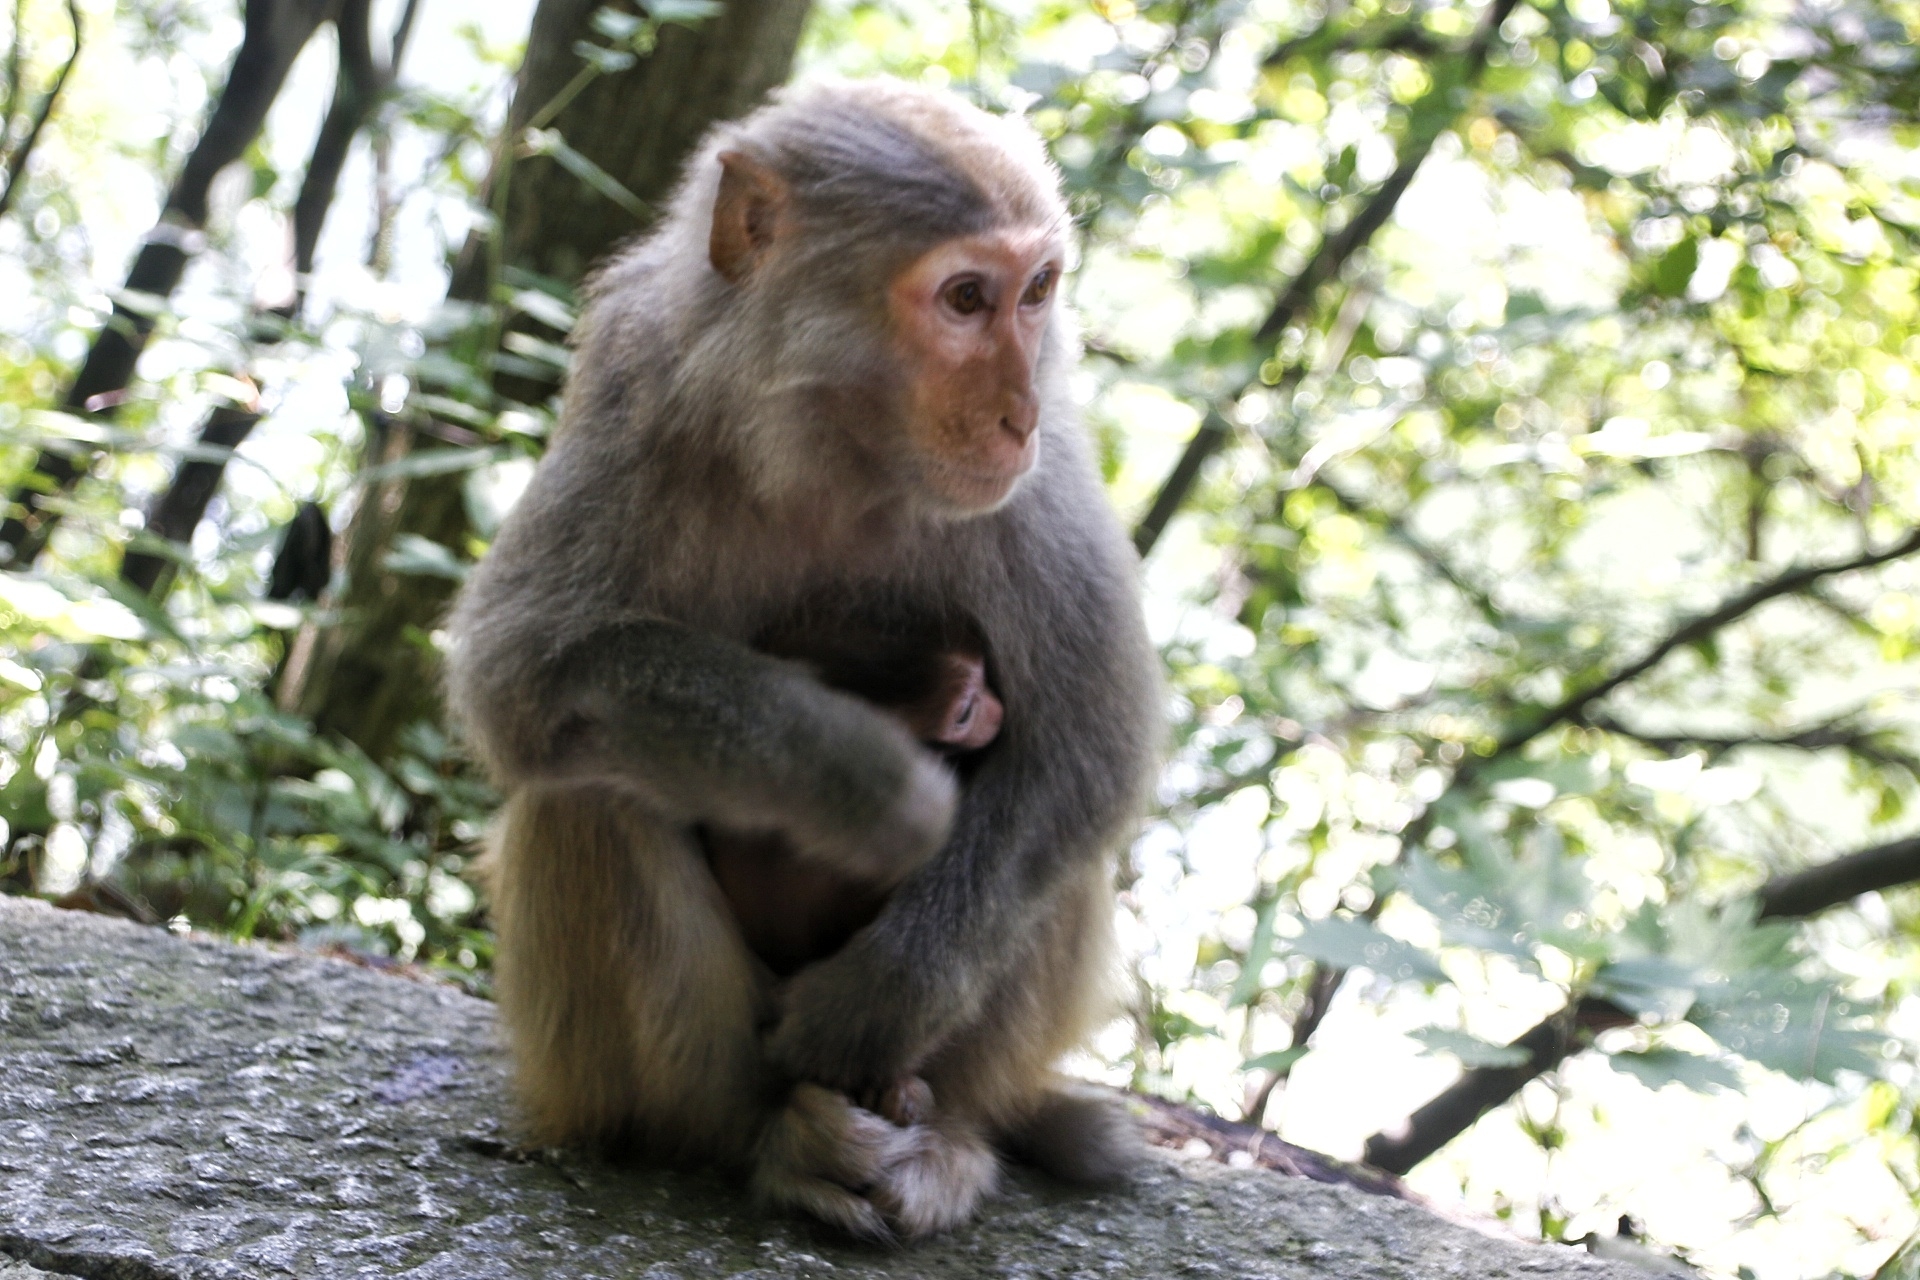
969,320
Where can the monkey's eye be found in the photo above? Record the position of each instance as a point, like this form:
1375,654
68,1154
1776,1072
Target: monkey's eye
964,296
1040,289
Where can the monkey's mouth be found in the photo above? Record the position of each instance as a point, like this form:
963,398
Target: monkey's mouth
976,490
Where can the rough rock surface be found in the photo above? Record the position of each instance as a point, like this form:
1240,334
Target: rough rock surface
177,1107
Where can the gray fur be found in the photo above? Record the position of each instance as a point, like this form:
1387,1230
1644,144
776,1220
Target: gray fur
727,454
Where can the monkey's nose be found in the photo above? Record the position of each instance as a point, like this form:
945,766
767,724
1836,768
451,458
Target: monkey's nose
1020,421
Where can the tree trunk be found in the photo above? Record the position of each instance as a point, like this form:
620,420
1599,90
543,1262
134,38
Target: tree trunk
376,671
359,85
639,125
276,31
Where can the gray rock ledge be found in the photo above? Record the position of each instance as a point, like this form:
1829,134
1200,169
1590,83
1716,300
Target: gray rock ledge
181,1107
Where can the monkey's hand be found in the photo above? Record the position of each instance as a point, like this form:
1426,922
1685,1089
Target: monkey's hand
853,1022
908,831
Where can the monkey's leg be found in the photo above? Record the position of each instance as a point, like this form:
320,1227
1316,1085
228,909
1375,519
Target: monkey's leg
999,1072
629,1000
632,1007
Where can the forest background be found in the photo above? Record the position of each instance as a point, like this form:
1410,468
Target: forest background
1515,404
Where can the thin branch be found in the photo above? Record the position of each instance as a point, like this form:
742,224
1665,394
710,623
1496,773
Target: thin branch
180,508
17,162
402,34
1868,744
1456,1108
1396,527
1409,37
362,83
1693,631
16,52
1808,892
1213,433
1334,252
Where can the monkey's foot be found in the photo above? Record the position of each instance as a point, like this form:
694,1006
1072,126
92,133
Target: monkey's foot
823,1155
937,1182
1082,1135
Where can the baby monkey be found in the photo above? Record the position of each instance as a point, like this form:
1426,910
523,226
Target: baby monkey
792,910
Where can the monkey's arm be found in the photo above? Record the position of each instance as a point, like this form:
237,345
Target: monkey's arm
1055,792
706,730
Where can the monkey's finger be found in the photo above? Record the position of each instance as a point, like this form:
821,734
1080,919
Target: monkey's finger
824,1200
821,1154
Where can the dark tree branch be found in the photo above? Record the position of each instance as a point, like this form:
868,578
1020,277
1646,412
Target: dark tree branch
1693,631
1479,597
1481,1089
1456,1108
276,31
361,83
356,85
1334,252
1809,892
364,676
16,53
1173,492
179,510
1408,37
17,162
1868,744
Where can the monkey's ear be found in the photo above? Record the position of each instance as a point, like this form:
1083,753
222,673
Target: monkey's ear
746,214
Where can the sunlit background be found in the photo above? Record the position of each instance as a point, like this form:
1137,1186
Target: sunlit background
1639,336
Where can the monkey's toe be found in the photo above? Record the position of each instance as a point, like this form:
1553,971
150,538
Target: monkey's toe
936,1179
823,1156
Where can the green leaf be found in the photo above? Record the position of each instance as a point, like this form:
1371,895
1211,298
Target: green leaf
1347,944
423,557
550,353
1799,1028
1259,950
1469,913
1674,270
1651,984
1904,1264
434,462
615,25
23,803
1279,1060
548,142
545,308
608,62
1471,1050
1658,1067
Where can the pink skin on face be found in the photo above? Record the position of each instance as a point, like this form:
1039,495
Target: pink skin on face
970,316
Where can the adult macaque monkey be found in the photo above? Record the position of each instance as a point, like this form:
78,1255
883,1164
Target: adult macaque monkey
834,378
